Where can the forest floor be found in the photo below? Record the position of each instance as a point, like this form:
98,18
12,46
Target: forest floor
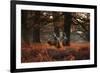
44,52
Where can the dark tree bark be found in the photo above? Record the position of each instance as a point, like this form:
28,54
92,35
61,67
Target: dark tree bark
67,25
24,31
36,27
88,33
55,20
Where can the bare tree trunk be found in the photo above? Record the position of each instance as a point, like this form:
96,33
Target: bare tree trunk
67,26
36,28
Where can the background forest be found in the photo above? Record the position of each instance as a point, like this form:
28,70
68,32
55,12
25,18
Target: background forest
54,36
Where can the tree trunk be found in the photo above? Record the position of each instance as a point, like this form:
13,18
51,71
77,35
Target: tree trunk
67,25
36,28
24,29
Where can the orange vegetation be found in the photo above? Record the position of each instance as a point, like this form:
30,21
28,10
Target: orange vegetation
40,52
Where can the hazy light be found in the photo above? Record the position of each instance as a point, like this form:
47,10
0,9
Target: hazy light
51,17
44,13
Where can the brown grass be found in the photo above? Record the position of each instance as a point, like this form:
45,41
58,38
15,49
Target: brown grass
44,52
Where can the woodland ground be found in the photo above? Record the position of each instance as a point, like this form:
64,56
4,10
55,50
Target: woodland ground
44,52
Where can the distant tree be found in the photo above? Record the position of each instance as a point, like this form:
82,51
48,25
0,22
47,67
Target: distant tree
36,27
82,20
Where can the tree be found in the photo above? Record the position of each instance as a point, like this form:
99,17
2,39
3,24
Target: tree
36,27
82,21
67,26
26,25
